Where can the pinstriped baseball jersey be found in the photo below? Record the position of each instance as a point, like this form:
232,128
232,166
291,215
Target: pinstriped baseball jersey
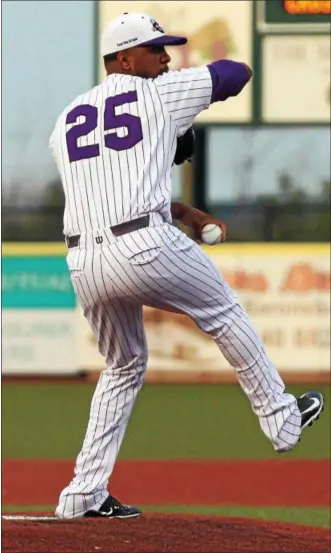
114,146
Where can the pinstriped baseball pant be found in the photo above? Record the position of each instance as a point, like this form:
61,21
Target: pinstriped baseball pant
159,267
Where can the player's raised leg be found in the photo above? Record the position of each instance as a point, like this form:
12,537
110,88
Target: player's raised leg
119,331
185,279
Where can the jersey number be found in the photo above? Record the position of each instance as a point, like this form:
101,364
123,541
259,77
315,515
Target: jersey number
112,122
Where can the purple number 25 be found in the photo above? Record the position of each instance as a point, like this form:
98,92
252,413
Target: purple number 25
112,122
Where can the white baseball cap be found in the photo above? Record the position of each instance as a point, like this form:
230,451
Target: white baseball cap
133,29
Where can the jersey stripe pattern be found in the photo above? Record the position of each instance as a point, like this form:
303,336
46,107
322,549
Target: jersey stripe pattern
114,146
160,267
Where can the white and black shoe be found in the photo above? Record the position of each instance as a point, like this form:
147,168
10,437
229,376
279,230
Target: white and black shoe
310,405
112,508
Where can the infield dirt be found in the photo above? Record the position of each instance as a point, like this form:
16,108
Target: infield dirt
195,482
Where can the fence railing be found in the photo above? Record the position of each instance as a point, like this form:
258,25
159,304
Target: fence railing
247,222
275,222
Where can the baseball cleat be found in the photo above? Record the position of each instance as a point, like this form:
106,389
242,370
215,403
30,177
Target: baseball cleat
112,508
310,405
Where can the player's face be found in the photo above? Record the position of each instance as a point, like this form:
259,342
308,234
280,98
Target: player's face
150,61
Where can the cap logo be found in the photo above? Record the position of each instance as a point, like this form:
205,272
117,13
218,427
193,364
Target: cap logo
156,26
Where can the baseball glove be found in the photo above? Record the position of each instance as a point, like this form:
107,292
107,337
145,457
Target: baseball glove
185,147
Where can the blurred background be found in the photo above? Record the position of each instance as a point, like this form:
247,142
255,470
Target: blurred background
263,160
262,164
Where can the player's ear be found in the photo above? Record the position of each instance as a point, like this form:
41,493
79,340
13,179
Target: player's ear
125,59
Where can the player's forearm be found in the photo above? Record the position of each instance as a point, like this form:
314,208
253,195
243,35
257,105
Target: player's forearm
186,214
228,78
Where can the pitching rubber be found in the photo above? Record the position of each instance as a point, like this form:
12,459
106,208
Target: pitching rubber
28,517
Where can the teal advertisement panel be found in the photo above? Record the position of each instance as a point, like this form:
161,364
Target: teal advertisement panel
39,282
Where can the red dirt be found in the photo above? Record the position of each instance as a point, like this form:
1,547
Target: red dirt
163,534
281,482
292,483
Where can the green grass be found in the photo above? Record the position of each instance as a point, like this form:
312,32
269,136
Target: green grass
169,421
5,509
309,516
298,515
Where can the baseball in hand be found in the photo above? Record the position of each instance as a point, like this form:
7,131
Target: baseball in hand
211,234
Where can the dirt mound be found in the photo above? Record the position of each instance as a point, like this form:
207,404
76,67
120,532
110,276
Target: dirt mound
162,534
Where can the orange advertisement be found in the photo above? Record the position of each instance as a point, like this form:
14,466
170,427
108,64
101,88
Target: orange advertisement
307,7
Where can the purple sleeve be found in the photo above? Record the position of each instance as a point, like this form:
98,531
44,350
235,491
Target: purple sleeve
228,79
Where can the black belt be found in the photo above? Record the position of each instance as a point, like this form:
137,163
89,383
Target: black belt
117,230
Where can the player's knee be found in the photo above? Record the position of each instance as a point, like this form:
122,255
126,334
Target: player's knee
131,369
220,320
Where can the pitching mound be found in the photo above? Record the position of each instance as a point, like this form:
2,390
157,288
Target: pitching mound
162,534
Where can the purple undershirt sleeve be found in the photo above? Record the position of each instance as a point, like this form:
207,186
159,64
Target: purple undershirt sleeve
228,79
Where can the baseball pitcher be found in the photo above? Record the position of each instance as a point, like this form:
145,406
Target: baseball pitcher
114,147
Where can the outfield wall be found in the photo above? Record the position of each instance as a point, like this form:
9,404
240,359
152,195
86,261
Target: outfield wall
284,287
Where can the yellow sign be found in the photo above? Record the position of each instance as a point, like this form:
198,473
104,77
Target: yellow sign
215,31
303,61
284,288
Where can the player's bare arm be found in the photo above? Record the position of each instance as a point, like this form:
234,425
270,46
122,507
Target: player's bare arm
195,219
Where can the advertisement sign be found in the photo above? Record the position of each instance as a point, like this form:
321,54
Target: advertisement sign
293,16
296,79
38,282
284,289
219,30
38,313
39,342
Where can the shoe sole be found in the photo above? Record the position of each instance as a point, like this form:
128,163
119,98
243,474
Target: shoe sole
129,516
314,417
136,515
